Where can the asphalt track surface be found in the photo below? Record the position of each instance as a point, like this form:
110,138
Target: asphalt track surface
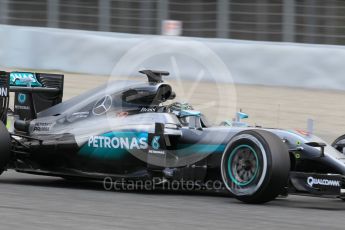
37,202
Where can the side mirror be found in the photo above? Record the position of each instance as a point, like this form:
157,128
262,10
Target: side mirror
318,145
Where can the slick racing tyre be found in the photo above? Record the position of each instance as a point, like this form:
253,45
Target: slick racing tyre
255,166
339,144
5,145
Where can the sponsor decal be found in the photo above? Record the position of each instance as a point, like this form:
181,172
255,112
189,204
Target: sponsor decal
160,152
155,142
148,109
114,144
21,107
155,146
117,142
24,79
102,106
3,92
325,182
21,98
43,127
302,132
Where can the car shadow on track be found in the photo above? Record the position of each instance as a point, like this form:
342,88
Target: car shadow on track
56,182
292,202
310,203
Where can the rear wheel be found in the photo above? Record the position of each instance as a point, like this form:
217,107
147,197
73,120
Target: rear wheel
255,166
5,145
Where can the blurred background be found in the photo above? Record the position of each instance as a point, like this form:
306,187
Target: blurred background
304,21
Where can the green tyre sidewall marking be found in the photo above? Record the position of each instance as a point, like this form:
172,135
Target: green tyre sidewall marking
233,179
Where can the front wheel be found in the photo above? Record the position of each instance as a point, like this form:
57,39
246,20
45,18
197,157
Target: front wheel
255,166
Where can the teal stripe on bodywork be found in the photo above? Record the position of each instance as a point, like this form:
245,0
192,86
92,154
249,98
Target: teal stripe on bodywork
100,151
188,149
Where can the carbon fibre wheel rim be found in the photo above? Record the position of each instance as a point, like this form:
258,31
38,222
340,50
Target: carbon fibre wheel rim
243,165
255,184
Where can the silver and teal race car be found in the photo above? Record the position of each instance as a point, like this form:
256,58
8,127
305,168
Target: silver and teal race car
134,131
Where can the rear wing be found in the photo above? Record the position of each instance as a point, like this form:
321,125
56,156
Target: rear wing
34,92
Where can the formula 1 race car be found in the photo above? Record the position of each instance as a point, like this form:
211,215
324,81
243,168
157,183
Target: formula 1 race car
132,130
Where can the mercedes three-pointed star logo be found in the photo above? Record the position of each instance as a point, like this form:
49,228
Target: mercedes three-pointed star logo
102,106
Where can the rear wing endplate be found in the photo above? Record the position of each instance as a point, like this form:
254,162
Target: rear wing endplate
34,92
4,95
